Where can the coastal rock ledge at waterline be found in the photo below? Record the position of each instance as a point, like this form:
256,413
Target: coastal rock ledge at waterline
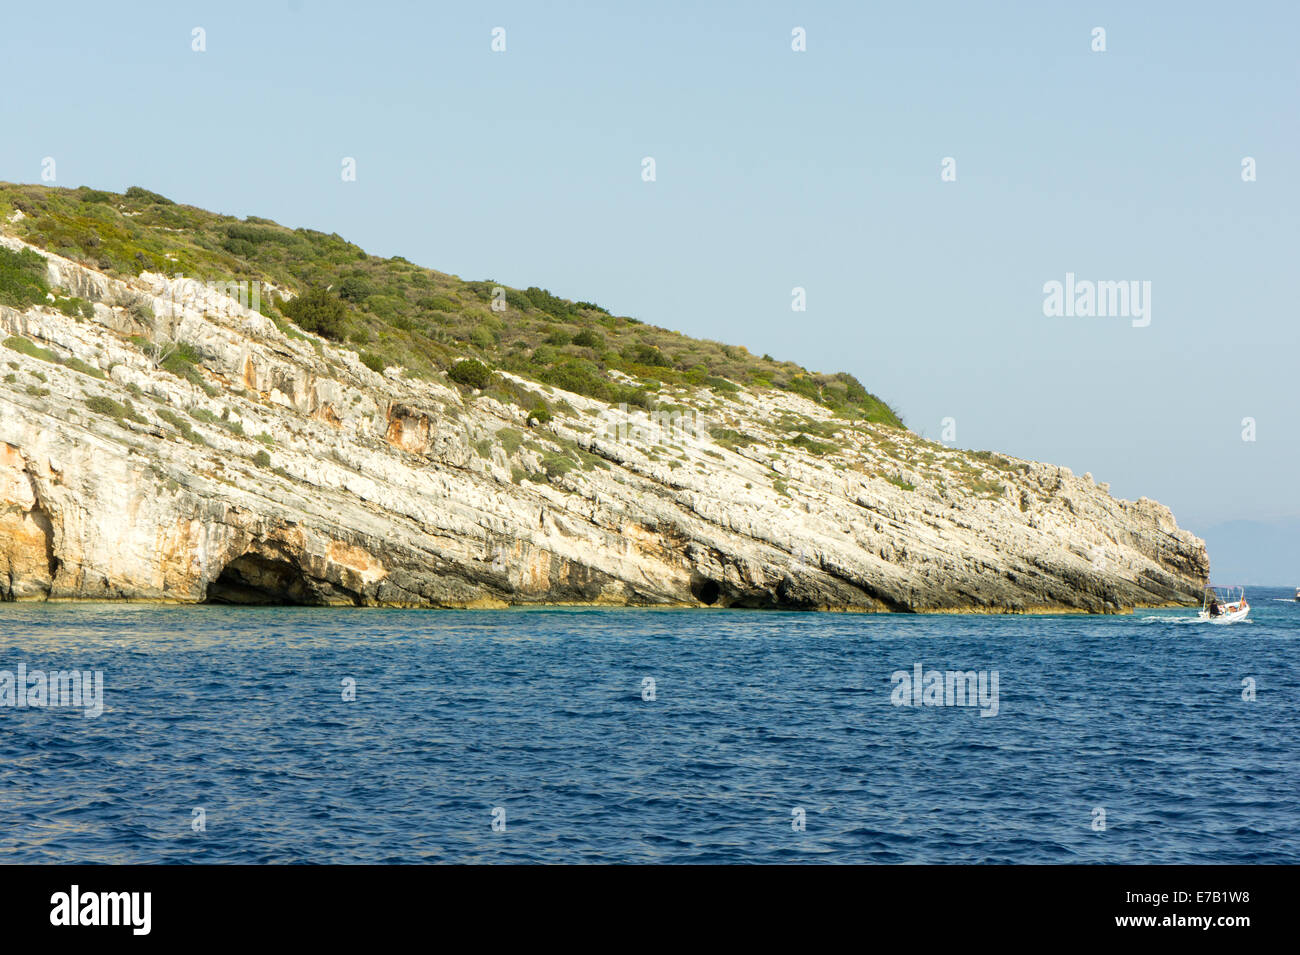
120,479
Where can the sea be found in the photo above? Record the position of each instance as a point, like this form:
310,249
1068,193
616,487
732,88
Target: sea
212,734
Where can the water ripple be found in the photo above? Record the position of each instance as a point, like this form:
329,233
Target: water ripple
241,713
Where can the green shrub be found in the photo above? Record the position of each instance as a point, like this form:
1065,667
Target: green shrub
113,409
182,361
541,299
517,300
471,373
262,459
75,307
804,385
181,425
579,376
373,361
510,440
76,364
387,307
136,304
591,460
184,352
811,445
22,278
31,349
144,195
730,438
557,465
544,355
643,354
632,396
355,288
438,303
319,311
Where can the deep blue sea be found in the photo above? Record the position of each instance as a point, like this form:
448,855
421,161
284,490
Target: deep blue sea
543,716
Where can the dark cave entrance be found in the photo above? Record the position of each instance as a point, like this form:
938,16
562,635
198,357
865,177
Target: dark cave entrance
254,580
704,589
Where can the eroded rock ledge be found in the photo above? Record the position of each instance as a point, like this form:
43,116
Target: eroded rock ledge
385,490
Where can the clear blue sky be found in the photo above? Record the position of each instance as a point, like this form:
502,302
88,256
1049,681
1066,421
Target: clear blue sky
775,169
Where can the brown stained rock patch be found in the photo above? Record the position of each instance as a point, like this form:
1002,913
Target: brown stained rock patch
27,560
327,414
408,428
179,547
16,487
357,559
535,572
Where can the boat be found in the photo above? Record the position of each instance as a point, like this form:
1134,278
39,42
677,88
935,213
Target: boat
1224,605
1297,594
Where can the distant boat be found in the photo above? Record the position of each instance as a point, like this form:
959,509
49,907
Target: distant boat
1297,594
1226,604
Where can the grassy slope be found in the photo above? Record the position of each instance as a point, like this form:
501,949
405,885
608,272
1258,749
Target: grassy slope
397,313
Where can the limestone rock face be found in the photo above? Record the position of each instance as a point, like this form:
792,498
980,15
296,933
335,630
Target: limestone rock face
281,469
27,563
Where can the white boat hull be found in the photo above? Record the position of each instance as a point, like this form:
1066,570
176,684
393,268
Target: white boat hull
1232,617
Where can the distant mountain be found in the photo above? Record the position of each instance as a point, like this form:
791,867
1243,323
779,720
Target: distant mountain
1255,552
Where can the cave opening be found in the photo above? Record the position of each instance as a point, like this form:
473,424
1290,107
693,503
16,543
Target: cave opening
254,580
705,589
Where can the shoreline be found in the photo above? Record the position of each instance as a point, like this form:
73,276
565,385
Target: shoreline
1041,611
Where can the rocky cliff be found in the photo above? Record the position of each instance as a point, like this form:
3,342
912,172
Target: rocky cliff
166,443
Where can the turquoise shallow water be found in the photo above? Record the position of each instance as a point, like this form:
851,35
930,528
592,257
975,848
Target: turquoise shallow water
240,712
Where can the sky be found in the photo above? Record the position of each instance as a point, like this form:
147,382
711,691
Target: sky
776,169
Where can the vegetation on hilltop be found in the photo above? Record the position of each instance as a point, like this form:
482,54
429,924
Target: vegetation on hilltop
395,312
